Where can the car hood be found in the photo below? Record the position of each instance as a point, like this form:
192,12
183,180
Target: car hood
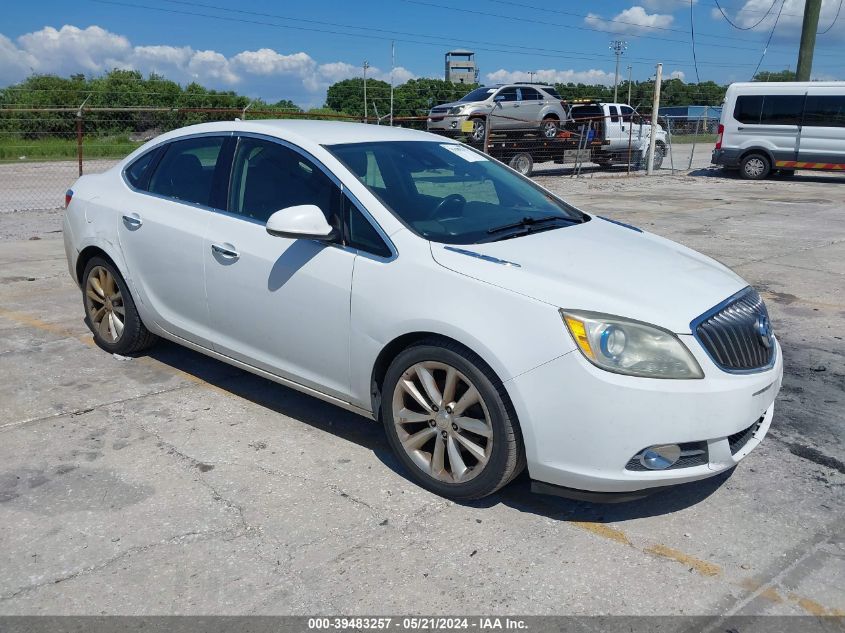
600,266
460,103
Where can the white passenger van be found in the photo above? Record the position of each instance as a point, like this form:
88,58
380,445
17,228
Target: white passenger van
782,126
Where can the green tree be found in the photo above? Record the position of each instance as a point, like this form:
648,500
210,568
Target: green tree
781,75
348,96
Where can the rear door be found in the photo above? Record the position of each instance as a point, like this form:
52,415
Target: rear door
530,105
614,127
161,229
822,140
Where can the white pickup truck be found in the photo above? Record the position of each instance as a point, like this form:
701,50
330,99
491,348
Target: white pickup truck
624,133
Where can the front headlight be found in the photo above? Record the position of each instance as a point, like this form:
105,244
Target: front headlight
630,347
456,110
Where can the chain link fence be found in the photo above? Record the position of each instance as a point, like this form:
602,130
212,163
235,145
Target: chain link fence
44,150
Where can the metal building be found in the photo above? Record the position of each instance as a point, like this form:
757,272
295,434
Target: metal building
461,68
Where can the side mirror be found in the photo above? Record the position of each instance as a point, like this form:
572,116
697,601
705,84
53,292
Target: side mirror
304,221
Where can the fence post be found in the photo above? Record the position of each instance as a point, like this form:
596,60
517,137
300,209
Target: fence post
487,133
694,139
79,133
658,77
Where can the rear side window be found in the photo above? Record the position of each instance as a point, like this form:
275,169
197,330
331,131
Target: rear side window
138,173
748,108
614,113
825,111
186,171
782,109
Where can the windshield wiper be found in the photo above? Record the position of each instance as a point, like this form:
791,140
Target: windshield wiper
528,222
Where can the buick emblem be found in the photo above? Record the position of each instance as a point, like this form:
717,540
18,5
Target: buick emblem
764,330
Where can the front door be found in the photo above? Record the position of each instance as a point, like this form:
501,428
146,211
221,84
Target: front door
505,114
279,304
160,229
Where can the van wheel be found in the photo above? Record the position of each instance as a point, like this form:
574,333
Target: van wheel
522,162
450,422
754,167
110,311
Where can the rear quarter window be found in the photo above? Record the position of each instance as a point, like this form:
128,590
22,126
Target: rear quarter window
138,172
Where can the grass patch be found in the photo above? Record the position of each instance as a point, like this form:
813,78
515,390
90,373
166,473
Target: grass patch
21,149
681,139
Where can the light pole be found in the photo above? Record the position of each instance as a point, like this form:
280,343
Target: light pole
629,84
618,47
531,74
366,65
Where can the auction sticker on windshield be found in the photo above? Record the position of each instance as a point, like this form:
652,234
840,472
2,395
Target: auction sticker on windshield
464,152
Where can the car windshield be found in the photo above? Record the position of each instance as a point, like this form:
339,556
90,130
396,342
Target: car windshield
451,193
479,94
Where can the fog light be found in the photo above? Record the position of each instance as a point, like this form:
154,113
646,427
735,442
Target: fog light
660,457
454,124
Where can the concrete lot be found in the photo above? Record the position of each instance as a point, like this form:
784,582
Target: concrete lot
171,483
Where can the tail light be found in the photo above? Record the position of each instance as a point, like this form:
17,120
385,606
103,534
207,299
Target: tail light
721,131
68,197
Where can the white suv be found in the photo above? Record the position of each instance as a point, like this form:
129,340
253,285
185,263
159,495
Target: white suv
409,278
509,107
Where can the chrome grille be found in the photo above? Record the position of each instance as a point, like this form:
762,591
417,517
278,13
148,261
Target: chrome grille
439,110
737,335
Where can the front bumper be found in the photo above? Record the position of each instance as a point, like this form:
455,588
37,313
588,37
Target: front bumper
582,425
445,124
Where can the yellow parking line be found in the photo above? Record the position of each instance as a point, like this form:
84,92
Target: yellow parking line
603,530
701,566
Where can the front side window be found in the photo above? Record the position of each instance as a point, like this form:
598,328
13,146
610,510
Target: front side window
447,192
748,108
186,171
627,114
268,176
507,94
825,111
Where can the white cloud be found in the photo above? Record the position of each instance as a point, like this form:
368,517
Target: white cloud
677,74
633,21
552,76
94,50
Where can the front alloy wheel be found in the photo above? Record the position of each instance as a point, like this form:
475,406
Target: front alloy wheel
479,130
442,422
449,420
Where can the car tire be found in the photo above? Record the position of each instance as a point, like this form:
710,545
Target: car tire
550,127
659,155
423,432
110,311
754,167
523,163
479,130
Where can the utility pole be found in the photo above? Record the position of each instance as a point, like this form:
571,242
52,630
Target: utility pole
658,78
618,47
392,67
812,8
629,84
366,65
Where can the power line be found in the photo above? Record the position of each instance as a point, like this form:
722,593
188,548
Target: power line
744,28
692,39
835,18
772,32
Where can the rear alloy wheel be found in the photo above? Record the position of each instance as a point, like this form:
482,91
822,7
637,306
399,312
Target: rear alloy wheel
550,127
754,167
523,163
479,130
110,312
447,422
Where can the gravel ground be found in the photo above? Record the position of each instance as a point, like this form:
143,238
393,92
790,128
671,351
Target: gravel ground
173,484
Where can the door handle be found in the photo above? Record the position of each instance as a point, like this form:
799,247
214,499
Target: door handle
739,127
132,220
223,251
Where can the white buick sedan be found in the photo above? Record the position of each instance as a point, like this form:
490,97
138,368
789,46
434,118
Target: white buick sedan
488,324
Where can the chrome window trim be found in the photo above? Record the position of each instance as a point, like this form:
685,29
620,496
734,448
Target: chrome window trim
715,310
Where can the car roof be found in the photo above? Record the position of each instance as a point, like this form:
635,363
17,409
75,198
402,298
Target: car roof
310,132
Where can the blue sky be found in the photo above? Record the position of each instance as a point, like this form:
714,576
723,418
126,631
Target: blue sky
279,49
